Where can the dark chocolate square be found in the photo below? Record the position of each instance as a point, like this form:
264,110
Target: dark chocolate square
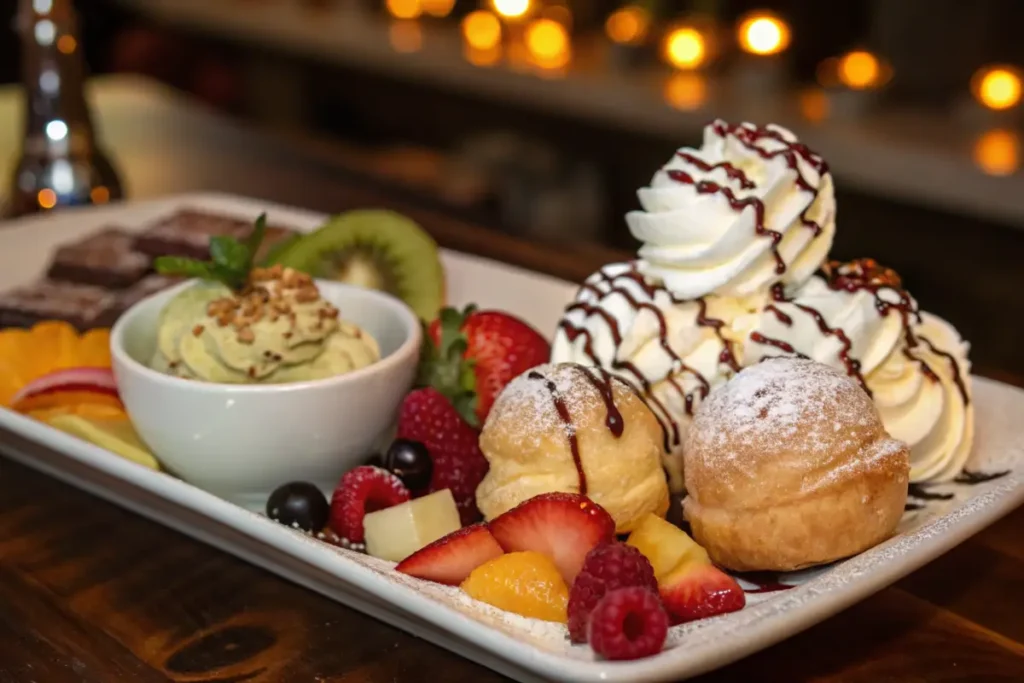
106,259
83,306
188,233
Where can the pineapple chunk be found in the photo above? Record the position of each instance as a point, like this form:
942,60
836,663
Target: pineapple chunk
665,545
396,532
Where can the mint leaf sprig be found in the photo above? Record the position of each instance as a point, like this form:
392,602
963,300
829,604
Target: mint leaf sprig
230,262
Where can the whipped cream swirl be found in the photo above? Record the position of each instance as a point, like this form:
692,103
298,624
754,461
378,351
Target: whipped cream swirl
751,208
913,364
671,351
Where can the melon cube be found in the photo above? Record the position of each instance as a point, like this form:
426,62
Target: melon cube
396,532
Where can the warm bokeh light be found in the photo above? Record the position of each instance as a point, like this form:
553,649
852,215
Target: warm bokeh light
548,43
997,87
763,33
67,44
485,57
685,48
628,25
511,9
404,9
560,13
99,195
405,36
438,8
859,70
814,105
997,152
47,198
481,30
686,91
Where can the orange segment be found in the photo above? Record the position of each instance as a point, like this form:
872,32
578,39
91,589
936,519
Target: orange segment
54,346
527,583
94,349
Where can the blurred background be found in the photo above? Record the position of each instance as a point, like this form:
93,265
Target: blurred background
545,115
540,118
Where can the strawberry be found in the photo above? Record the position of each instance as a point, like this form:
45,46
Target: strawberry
563,526
452,558
696,590
428,417
483,351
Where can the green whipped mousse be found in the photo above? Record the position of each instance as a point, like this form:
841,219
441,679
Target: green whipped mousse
278,330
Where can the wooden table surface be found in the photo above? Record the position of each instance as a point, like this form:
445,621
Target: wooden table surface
90,592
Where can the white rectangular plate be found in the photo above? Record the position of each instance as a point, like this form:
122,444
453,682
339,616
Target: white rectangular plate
524,649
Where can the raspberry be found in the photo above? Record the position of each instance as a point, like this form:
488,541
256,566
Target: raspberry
607,567
360,491
628,623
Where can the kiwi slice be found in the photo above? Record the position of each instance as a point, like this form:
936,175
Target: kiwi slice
376,249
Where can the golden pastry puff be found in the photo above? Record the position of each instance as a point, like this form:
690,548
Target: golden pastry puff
575,429
788,465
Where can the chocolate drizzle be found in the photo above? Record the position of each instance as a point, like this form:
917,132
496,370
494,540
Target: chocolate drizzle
602,381
749,136
639,382
570,428
973,478
955,365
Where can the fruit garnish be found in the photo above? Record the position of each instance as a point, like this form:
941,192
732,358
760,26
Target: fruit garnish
99,380
375,249
300,505
562,526
608,567
397,532
114,433
473,355
665,545
26,355
409,461
427,417
690,585
696,591
452,558
628,623
361,491
231,259
526,583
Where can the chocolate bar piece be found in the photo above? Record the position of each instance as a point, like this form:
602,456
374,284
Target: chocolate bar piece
83,306
105,259
188,233
151,284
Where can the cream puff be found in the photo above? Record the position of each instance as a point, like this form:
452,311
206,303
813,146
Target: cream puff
577,429
788,465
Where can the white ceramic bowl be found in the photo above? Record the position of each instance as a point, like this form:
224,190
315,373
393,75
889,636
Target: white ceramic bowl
241,442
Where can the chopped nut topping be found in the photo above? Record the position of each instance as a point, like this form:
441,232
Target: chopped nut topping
287,335
252,371
307,295
246,336
197,330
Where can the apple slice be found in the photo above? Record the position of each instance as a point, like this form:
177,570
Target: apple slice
96,380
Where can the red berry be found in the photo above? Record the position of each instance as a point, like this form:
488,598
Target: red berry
608,567
628,623
428,417
362,490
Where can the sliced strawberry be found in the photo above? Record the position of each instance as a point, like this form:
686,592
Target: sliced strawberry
696,590
452,558
100,380
477,353
563,526
428,417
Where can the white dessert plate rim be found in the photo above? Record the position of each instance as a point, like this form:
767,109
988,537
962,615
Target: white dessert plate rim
366,585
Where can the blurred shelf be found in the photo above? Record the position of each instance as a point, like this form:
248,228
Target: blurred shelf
912,156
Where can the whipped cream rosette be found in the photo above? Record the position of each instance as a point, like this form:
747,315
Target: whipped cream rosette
750,208
856,317
733,270
671,351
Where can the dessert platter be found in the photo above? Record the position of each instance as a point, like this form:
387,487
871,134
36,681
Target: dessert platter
686,458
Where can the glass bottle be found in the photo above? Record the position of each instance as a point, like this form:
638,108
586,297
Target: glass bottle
61,163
